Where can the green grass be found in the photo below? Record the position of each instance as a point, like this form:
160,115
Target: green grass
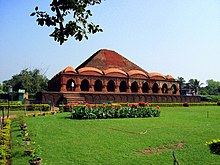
118,141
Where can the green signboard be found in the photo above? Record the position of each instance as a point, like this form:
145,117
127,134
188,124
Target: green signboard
21,90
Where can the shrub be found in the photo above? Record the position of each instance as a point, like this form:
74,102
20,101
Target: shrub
104,112
218,103
186,104
214,146
5,151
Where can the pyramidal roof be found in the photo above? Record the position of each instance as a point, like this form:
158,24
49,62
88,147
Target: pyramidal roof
105,59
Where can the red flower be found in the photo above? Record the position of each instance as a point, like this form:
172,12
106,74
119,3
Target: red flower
68,104
158,107
96,105
104,105
142,104
119,106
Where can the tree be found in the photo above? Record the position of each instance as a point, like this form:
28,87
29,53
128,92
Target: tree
182,82
195,85
79,27
213,87
1,88
30,80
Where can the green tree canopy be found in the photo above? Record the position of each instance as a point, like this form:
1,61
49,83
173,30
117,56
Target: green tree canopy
30,80
1,88
195,85
182,81
213,87
78,25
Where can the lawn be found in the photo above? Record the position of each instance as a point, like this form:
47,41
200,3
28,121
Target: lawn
124,141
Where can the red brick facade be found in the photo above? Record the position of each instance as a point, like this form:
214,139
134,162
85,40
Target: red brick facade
109,77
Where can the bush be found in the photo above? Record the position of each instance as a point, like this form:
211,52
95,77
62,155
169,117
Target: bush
214,146
104,112
218,103
5,151
186,104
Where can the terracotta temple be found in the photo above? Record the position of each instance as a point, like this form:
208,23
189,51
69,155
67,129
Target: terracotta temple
107,76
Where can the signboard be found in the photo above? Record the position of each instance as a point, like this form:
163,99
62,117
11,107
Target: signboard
21,90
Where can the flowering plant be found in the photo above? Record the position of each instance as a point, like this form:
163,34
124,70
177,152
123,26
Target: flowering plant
185,104
214,146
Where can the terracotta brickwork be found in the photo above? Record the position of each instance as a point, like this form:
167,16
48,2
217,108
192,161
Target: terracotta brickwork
108,76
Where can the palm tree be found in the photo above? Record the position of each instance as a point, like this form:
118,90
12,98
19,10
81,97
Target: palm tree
195,85
182,82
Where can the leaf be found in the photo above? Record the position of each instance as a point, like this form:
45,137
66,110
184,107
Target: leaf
36,8
32,14
53,8
41,22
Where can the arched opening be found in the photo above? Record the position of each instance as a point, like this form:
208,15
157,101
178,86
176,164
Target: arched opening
134,87
145,87
155,88
70,86
123,86
84,85
111,86
98,85
174,89
164,88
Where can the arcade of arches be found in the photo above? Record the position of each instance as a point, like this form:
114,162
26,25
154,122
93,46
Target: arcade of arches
86,85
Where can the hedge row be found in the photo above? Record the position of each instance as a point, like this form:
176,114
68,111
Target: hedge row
29,107
5,151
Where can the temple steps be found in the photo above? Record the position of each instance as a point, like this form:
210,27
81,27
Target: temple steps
74,97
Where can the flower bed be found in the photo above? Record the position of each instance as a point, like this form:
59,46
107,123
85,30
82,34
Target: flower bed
103,112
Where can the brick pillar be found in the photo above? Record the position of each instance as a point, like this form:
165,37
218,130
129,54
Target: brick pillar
104,88
77,88
178,91
150,90
170,91
63,88
91,88
128,87
139,89
117,88
159,90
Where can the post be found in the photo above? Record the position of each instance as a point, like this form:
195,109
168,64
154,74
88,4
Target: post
8,108
3,117
10,90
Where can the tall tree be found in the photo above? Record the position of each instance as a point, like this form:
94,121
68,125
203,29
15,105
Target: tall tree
79,27
182,81
30,80
195,85
1,88
213,87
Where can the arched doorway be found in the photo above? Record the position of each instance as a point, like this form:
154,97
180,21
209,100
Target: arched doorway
84,85
111,86
134,87
98,85
123,86
155,88
164,88
70,86
145,87
174,89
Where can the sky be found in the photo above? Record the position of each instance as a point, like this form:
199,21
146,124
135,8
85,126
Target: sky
179,38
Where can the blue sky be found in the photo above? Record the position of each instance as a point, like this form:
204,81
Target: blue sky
181,38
